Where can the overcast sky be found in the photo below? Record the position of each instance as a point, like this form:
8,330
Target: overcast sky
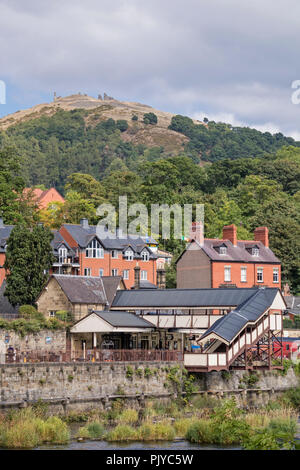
229,60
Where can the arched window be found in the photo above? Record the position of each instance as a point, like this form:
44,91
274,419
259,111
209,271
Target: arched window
145,255
94,250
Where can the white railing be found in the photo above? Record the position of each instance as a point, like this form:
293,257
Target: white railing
182,321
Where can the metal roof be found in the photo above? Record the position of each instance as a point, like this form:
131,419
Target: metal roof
250,310
188,298
123,319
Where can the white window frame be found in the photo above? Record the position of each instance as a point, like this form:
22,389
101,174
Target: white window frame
87,271
62,254
276,273
114,272
223,250
101,272
126,274
52,313
145,255
144,275
114,254
243,273
260,271
227,269
94,249
255,251
128,254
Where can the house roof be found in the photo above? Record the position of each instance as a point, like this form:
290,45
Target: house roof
5,306
236,253
5,231
82,289
123,319
111,284
178,298
83,235
293,304
249,310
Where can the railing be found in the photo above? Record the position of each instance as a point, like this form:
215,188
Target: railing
109,355
131,355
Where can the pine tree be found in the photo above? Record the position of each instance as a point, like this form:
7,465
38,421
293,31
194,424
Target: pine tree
28,258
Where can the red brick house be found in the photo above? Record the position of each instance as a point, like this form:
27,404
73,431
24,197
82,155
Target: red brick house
44,198
80,250
229,262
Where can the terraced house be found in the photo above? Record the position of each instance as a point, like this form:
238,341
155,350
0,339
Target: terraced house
228,262
79,250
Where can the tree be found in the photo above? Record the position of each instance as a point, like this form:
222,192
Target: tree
28,258
150,118
11,185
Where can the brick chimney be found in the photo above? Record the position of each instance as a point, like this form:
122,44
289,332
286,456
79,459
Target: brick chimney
261,234
197,232
161,278
286,290
137,270
229,233
84,223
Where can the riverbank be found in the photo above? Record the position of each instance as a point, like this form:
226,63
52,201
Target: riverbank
203,422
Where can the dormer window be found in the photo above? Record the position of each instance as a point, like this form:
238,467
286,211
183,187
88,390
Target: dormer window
145,255
255,251
223,250
128,255
94,250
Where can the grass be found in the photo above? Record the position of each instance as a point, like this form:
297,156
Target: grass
128,416
25,430
92,430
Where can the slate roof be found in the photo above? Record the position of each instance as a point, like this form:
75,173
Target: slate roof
4,235
111,284
83,236
124,319
293,304
82,289
236,253
176,298
250,310
5,306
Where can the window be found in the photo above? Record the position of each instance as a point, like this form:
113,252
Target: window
260,275
94,250
255,251
52,313
62,253
227,273
128,255
223,250
114,272
145,255
87,271
275,274
126,274
144,275
243,274
101,272
114,254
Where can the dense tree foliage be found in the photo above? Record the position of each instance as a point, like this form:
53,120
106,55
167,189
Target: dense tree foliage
251,179
28,258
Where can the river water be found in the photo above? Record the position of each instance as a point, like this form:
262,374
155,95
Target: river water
103,445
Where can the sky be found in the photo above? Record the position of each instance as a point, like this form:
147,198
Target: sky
227,60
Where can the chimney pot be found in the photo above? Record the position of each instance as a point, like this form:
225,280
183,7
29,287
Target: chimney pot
84,223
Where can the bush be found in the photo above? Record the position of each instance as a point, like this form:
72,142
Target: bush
122,432
93,430
122,125
28,312
129,416
156,432
150,118
201,432
134,118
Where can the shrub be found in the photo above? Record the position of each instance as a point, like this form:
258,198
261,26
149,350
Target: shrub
122,432
134,118
29,312
122,125
129,416
129,372
93,430
156,432
150,118
201,432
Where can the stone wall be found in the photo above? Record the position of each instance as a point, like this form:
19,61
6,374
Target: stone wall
87,385
44,340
